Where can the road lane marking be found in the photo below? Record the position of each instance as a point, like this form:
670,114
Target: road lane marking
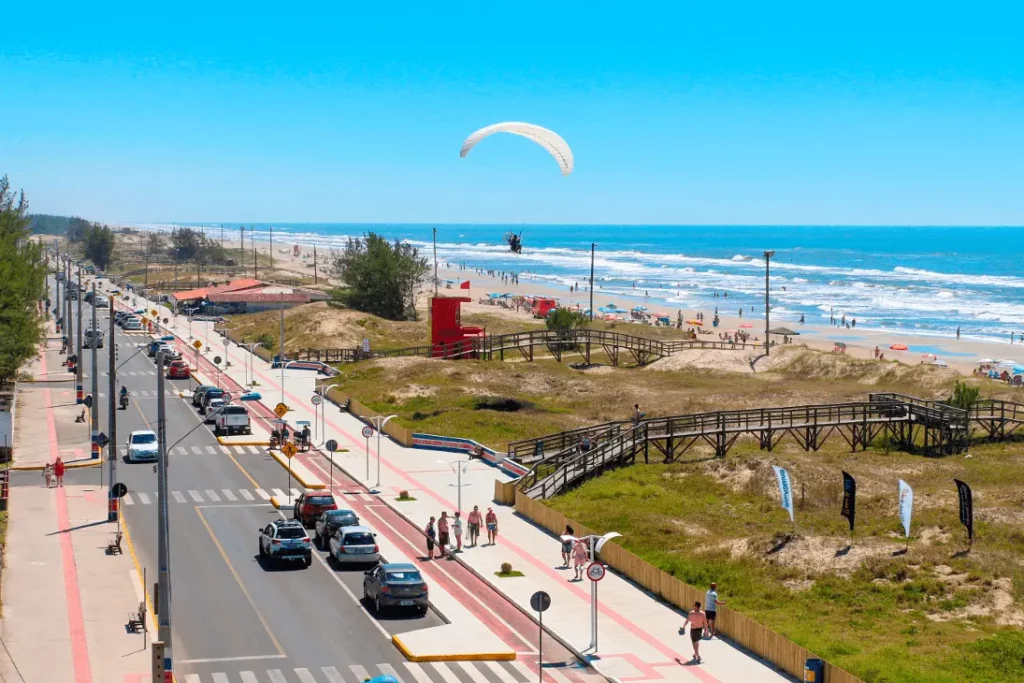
254,450
295,493
417,672
220,678
212,495
305,676
225,450
501,673
211,450
248,677
245,494
195,495
238,580
447,674
359,672
277,492
180,450
197,450
388,670
474,673
523,669
277,677
262,494
333,676
143,498
227,494
218,660
178,496
192,678
127,499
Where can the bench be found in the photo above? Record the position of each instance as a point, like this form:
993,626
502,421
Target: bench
114,547
137,619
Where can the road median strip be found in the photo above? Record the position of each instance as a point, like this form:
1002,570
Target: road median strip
227,441
449,643
299,471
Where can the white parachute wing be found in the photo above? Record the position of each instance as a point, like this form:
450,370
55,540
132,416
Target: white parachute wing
549,140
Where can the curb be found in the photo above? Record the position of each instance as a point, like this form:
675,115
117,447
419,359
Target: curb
276,502
67,465
561,641
467,657
138,567
286,463
222,442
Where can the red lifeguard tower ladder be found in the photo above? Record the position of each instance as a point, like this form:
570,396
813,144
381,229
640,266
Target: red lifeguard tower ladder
448,337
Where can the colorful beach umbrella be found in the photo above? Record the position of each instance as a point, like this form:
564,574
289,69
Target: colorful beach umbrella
694,322
746,326
898,347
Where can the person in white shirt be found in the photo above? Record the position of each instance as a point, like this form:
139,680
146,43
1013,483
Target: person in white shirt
711,603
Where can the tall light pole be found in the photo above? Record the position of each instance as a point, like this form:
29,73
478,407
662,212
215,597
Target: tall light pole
249,361
163,535
435,262
767,308
79,393
379,421
280,355
95,410
458,467
112,501
596,543
189,311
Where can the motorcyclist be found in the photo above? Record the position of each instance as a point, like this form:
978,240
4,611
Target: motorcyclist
305,436
124,395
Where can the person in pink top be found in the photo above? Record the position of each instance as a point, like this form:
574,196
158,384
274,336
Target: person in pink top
697,621
579,558
475,520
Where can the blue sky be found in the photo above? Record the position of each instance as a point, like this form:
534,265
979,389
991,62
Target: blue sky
678,113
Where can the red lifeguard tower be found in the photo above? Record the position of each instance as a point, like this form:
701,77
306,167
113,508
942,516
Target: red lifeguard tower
448,337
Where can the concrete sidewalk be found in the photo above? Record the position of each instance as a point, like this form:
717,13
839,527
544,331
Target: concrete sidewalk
638,634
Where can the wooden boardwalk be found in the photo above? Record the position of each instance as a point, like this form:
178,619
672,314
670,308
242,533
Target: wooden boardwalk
583,343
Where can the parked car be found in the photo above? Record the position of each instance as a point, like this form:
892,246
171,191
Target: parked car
285,540
119,316
102,302
354,545
396,585
92,336
142,446
212,410
170,354
197,394
329,522
153,346
88,297
232,420
312,504
132,325
178,369
209,395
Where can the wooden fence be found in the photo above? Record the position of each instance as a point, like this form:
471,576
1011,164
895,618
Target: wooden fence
745,632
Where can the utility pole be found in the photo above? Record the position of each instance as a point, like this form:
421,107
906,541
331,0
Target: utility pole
767,307
314,265
79,393
435,262
255,268
112,501
69,324
280,354
163,537
221,235
95,410
271,248
241,249
60,285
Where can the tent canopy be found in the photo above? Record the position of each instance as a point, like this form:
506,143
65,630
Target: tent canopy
783,331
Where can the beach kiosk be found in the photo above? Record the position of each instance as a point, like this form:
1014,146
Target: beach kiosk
448,336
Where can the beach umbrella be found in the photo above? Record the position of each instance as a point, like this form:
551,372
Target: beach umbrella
898,347
840,345
1007,363
941,363
746,326
929,355
694,322
639,308
494,295
785,331
1017,370
985,361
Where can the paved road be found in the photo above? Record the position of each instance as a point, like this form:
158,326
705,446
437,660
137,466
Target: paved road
236,620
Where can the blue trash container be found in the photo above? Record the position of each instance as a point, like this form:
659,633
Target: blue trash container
814,671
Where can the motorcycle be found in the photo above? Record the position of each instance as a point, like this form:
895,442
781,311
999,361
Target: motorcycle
124,401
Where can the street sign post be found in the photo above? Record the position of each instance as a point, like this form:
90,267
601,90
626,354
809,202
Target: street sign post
540,602
331,446
596,571
316,399
289,451
367,433
280,410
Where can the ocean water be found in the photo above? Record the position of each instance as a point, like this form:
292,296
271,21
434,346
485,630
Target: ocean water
913,280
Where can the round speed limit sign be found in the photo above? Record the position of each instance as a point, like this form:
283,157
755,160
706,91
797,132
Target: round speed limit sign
367,431
596,571
316,400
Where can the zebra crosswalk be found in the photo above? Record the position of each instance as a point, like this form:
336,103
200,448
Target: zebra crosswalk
211,496
405,672
146,393
210,450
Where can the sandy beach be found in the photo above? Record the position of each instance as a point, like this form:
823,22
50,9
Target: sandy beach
962,354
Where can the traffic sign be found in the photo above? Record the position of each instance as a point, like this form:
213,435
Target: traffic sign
154,313
289,450
316,399
119,490
88,401
331,445
197,344
280,410
596,571
540,601
216,360
367,431
102,439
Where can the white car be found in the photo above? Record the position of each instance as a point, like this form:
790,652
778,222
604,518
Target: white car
142,446
132,325
213,410
354,545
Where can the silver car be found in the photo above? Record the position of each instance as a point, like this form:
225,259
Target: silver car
354,545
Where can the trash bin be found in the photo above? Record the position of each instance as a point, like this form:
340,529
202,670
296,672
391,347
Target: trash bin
814,671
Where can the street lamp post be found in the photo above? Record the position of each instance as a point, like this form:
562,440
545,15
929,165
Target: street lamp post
458,467
767,308
596,543
250,362
189,311
163,537
379,421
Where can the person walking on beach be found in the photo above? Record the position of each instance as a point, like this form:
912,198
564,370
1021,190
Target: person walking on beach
958,332
442,534
876,353
474,525
58,471
457,530
697,621
491,520
567,545
431,537
711,603
579,559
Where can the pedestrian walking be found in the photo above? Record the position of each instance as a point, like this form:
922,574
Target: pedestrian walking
48,475
457,531
431,534
697,621
711,603
637,415
58,471
442,534
579,558
491,520
474,520
567,540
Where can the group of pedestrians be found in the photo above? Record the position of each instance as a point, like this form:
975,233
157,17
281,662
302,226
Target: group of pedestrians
54,472
702,621
446,532
575,552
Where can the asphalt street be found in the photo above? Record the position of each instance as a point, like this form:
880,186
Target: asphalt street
235,619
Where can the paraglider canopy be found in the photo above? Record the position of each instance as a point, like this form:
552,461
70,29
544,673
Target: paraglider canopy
549,140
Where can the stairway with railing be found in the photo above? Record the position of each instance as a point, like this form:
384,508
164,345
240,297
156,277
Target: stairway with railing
549,477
